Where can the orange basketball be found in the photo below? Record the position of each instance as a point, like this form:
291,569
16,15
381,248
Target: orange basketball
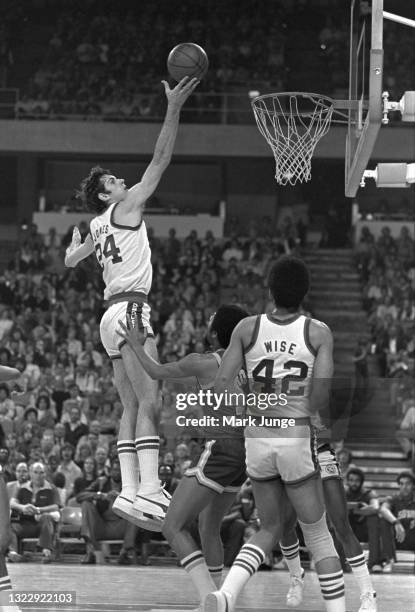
187,59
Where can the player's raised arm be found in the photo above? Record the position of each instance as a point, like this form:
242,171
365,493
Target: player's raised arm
194,365
233,358
77,250
321,339
165,143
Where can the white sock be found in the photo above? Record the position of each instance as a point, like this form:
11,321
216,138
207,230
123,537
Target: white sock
127,455
332,589
148,459
292,558
361,573
196,567
249,558
216,574
5,585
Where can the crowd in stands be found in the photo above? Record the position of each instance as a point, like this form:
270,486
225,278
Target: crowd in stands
387,269
60,418
106,60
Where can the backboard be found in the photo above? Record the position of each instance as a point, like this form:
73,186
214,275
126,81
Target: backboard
365,86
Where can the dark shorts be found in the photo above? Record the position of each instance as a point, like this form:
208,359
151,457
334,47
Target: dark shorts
221,465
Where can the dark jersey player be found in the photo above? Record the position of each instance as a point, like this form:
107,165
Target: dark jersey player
209,486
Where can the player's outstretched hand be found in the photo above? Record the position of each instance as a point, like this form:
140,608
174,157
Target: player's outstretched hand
132,335
179,94
76,240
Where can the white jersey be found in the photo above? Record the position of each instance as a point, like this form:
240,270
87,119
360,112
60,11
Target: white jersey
280,361
124,254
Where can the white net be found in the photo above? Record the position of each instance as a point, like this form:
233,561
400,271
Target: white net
293,123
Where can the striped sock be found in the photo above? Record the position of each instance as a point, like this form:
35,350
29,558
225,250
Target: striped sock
245,565
196,567
5,584
361,573
148,459
292,558
216,574
129,467
332,589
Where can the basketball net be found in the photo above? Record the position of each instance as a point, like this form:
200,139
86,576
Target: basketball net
292,123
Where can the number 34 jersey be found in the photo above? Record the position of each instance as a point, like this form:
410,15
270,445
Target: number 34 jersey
279,363
124,254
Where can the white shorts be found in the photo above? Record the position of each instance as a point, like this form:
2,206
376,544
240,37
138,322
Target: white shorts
328,462
293,459
139,312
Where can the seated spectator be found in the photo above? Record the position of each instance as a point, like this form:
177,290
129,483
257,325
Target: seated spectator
37,503
47,445
344,458
30,418
83,452
406,433
102,461
232,530
68,466
15,456
99,522
74,428
4,464
46,419
363,506
75,399
398,519
59,435
108,422
89,474
22,476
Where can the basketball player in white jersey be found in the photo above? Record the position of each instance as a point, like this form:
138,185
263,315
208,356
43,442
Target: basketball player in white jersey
210,485
118,237
290,356
6,601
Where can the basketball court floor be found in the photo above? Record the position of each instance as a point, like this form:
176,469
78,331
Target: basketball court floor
143,589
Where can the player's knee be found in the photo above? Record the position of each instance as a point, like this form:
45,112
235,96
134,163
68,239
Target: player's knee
171,526
318,539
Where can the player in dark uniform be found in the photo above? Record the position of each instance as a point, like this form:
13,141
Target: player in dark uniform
5,583
336,508
209,487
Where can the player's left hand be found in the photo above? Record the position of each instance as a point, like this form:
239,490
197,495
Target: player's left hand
177,96
132,335
76,240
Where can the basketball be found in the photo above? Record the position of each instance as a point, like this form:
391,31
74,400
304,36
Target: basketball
187,59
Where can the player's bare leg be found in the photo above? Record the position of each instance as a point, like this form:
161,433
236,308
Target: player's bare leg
127,453
189,499
336,505
290,548
269,496
210,522
308,502
150,499
307,499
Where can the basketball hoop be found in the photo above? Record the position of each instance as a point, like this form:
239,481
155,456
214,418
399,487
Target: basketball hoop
292,123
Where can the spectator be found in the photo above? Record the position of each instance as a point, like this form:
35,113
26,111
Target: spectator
4,464
168,481
99,521
102,461
363,506
406,432
46,418
22,476
74,428
68,466
37,502
398,522
89,475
